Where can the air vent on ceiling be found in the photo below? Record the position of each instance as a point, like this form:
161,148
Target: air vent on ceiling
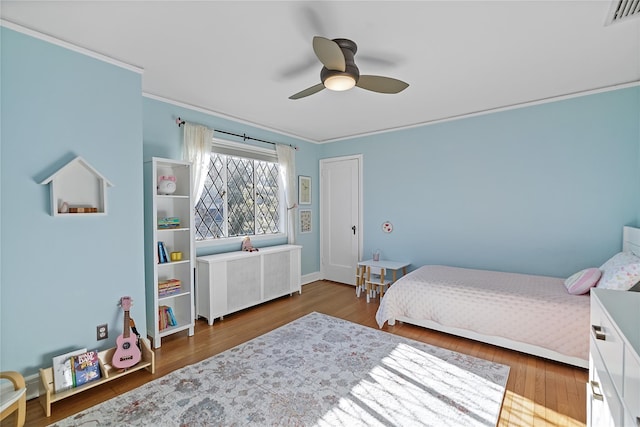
622,10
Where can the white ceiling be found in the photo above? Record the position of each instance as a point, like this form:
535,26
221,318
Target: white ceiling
244,59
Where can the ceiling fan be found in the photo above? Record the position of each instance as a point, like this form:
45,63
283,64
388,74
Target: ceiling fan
339,71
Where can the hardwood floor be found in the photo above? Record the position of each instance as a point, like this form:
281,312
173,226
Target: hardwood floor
539,392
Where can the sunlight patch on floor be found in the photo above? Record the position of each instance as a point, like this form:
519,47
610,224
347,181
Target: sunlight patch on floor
523,412
412,387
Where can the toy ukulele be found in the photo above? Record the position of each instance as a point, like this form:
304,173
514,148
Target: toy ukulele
127,353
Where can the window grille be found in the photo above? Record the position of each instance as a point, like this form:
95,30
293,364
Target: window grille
241,196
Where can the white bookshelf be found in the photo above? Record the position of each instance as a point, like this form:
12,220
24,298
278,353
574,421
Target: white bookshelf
179,239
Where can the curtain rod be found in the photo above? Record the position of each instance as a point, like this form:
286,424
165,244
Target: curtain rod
244,136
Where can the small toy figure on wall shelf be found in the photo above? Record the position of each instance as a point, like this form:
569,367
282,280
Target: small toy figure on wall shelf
166,184
247,246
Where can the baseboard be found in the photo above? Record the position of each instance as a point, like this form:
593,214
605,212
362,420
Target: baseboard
33,386
309,278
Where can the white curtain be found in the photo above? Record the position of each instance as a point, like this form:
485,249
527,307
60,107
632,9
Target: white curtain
287,162
197,149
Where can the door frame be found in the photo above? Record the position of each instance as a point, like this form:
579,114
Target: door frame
360,160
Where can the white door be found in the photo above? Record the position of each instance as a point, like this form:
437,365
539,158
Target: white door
340,217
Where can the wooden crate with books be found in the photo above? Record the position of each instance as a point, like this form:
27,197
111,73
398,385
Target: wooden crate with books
87,374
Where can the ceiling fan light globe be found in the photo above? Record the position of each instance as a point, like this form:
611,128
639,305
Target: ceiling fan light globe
339,82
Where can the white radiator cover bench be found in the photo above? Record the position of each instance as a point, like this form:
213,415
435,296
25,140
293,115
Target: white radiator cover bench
233,281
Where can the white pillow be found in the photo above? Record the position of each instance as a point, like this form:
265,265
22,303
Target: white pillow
620,272
582,281
621,278
621,258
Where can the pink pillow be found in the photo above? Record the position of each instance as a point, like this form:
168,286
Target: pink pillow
580,282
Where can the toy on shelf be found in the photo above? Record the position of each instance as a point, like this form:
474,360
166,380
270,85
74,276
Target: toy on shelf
247,246
166,184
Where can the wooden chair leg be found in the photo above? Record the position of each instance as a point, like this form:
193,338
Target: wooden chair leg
17,409
381,286
368,284
22,411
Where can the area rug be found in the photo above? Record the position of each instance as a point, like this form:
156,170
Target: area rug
316,371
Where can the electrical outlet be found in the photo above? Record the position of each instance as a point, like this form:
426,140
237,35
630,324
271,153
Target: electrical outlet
102,332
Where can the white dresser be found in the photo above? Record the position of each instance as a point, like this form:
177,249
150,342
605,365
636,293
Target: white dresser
613,392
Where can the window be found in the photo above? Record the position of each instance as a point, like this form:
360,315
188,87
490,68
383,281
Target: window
241,196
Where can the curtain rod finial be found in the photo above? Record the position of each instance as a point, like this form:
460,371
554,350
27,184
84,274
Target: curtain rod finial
180,122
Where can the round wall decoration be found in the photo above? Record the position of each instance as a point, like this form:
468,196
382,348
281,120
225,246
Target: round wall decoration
387,227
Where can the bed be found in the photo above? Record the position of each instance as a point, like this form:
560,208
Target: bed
532,314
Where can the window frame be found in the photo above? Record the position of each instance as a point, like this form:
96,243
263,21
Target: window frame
252,152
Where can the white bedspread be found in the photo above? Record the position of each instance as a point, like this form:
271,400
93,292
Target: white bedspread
536,310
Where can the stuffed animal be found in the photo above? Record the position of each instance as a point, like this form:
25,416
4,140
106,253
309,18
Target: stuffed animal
247,246
166,184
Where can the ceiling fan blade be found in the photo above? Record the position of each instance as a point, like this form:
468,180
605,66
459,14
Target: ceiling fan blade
308,91
329,53
299,69
311,19
381,84
389,60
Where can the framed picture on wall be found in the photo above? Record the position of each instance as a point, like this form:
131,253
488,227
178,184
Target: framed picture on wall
305,220
304,190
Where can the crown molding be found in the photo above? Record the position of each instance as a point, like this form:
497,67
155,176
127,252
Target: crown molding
70,46
492,110
224,116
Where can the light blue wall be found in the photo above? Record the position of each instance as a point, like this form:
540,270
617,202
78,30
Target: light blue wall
61,277
543,189
163,138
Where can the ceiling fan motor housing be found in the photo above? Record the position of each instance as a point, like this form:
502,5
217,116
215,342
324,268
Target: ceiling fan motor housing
349,49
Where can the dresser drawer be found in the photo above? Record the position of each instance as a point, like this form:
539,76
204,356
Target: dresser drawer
631,422
631,395
605,405
608,342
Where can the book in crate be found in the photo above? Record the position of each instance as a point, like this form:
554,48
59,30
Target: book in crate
86,367
75,368
169,287
62,370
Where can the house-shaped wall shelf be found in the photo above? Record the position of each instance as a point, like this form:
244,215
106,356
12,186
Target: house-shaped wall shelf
78,189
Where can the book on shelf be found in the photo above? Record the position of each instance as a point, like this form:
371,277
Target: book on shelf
62,370
168,283
86,367
172,319
168,293
169,287
162,318
168,222
166,318
83,210
163,256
